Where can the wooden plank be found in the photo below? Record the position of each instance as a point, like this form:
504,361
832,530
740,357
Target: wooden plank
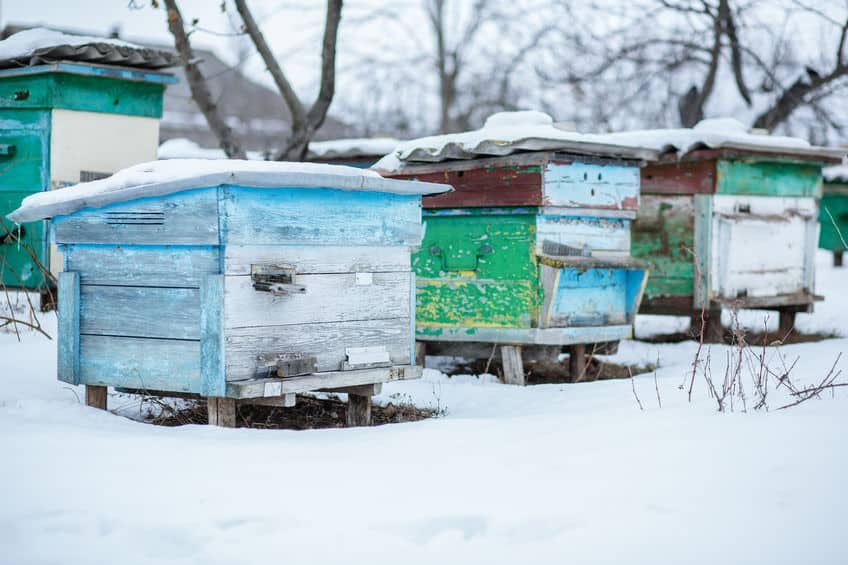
483,185
591,185
579,232
189,218
283,401
358,410
212,347
362,390
326,341
316,259
338,297
756,177
701,288
96,396
513,367
526,336
577,362
222,411
329,381
322,216
593,297
687,177
68,355
166,266
148,364
138,311
663,236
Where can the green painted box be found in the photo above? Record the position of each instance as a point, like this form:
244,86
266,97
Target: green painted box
60,124
531,250
833,212
731,227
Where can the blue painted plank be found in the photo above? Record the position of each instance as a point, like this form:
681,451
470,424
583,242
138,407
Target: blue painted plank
68,362
138,311
213,380
130,362
189,217
590,297
589,185
703,250
319,216
129,265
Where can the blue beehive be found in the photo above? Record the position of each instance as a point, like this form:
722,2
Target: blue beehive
235,280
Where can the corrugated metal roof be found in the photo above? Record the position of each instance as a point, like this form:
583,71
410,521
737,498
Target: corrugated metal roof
99,53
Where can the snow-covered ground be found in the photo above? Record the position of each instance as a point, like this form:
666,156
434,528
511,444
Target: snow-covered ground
544,474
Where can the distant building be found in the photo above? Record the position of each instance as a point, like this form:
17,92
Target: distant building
257,113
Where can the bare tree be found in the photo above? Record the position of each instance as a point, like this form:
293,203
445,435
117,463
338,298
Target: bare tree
665,62
305,122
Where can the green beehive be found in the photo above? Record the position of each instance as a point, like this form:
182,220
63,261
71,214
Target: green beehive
65,118
729,220
833,212
530,254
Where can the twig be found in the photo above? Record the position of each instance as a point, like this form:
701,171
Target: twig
633,386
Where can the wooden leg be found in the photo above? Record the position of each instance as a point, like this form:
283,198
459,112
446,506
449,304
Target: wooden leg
787,323
222,411
420,352
358,410
713,332
577,362
513,366
95,396
837,258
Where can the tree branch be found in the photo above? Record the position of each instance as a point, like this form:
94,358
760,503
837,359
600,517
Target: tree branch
198,85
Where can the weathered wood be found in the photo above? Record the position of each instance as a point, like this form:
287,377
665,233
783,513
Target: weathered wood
328,342
339,297
161,266
152,364
768,178
837,258
362,390
222,411
184,218
692,177
484,182
598,235
213,380
513,366
253,216
787,322
527,336
318,259
96,396
283,401
591,185
331,380
713,330
593,297
68,354
420,353
358,410
133,311
577,362
703,252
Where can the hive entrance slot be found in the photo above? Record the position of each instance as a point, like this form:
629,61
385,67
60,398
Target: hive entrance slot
277,279
135,218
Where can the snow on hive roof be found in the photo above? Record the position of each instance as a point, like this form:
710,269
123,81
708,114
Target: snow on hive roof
181,148
720,133
40,45
351,148
839,173
505,133
157,178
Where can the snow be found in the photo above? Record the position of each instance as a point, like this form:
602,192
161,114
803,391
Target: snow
542,474
167,176
353,147
25,43
838,173
504,133
182,148
716,133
